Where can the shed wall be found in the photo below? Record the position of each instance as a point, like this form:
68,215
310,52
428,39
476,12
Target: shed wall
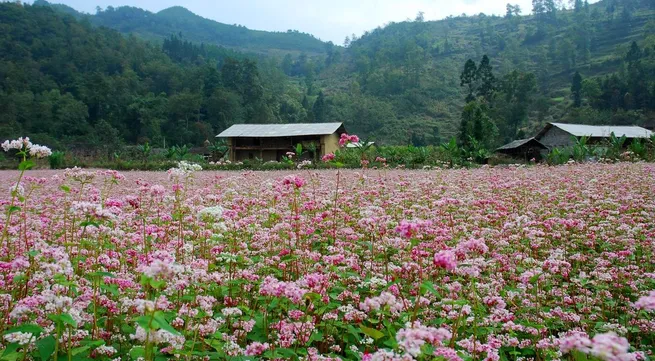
557,138
329,143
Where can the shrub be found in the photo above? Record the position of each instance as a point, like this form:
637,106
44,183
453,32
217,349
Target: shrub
57,160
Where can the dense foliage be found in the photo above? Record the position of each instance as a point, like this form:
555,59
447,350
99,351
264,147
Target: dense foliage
542,263
411,70
67,82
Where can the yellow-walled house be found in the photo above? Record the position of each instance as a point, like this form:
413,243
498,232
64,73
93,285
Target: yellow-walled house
271,142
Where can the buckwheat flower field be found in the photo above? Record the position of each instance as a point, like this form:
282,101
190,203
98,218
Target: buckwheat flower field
538,263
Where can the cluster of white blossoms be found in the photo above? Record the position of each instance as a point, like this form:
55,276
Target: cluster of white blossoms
213,213
24,144
21,338
183,170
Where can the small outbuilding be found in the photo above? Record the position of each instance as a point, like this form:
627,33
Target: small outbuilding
525,149
560,135
271,142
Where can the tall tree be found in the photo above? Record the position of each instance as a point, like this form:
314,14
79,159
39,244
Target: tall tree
515,96
319,108
486,79
476,128
538,9
468,79
576,89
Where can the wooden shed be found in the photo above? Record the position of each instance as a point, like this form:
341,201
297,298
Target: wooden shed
525,149
271,142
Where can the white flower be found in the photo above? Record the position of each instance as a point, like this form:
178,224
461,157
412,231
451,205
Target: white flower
24,144
211,212
21,338
39,151
231,311
106,350
17,144
18,188
367,341
184,169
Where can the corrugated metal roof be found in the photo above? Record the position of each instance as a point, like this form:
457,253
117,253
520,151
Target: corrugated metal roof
519,142
279,130
604,131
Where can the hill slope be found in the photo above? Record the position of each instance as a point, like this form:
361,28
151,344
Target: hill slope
174,20
407,75
66,83
398,84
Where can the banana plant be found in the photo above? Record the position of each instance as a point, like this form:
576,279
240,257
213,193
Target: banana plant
581,150
452,150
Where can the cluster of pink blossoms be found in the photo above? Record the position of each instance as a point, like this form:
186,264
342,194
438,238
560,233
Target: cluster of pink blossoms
347,139
605,346
646,302
445,259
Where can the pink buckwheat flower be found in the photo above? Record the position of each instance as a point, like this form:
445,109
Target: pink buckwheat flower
328,157
646,302
445,259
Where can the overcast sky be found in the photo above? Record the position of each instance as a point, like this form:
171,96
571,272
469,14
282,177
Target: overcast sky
325,19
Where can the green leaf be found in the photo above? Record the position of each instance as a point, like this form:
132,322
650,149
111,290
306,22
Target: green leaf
27,328
68,319
159,317
93,343
372,333
65,188
579,356
46,347
26,165
316,336
353,331
144,322
157,284
429,286
215,344
79,350
286,352
312,296
13,209
11,349
137,352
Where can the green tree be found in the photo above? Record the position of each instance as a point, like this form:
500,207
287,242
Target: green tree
515,97
468,78
476,127
484,75
319,108
576,89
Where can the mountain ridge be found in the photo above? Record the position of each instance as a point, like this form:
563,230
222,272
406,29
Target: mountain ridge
159,25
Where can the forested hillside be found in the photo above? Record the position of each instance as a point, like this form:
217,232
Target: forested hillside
403,81
176,20
68,83
484,79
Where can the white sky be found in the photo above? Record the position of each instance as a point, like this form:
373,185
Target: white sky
327,19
